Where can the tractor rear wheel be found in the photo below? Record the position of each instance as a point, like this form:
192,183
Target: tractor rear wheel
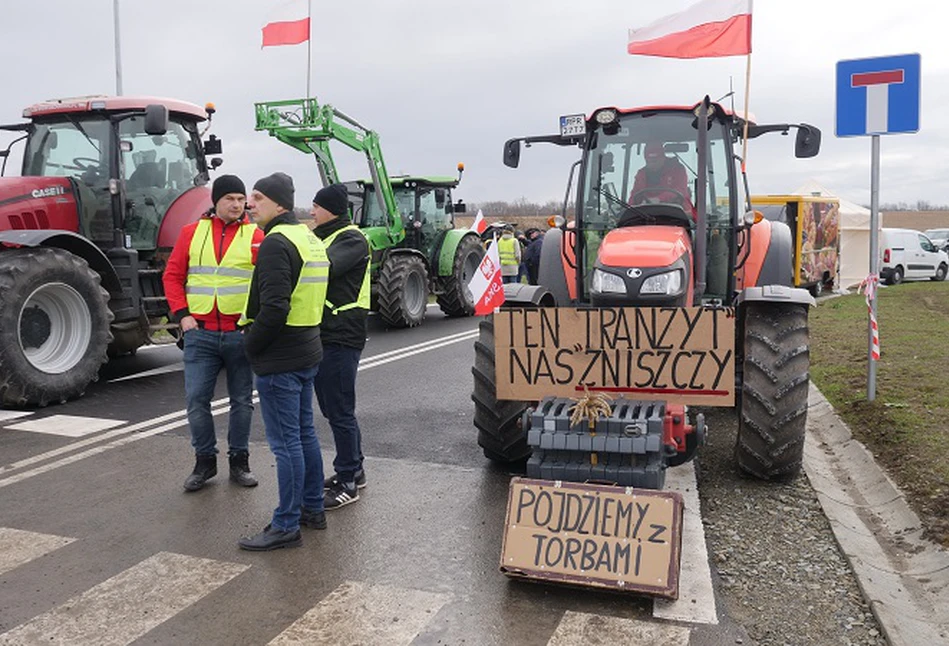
403,290
500,432
773,399
457,299
54,326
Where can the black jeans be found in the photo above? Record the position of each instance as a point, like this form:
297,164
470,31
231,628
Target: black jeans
335,387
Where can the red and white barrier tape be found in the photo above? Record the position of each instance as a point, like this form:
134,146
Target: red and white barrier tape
869,287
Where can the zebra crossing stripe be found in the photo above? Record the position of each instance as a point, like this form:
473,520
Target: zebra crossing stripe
581,629
18,547
696,603
120,610
360,613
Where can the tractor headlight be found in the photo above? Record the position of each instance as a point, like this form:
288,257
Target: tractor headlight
668,283
607,283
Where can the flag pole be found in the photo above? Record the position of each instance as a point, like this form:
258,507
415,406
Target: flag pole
744,147
309,39
118,49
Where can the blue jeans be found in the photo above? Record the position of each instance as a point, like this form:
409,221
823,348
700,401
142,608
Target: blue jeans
286,404
335,387
206,353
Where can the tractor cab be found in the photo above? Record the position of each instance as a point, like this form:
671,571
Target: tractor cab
424,204
127,159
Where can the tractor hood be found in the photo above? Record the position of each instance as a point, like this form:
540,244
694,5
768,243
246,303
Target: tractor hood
647,246
37,203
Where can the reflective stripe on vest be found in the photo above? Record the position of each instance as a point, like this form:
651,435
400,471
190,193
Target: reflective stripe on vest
225,283
506,252
309,294
362,300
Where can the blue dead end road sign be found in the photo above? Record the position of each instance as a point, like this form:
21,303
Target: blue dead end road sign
878,96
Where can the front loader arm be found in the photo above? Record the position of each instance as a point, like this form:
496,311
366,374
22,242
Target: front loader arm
309,127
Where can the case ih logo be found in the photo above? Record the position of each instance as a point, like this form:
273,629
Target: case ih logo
49,191
487,267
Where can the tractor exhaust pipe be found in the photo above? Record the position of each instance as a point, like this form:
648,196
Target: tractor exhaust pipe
701,223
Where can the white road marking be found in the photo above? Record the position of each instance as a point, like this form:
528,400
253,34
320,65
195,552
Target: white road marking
360,613
178,419
6,415
582,629
696,603
120,610
18,547
67,425
175,367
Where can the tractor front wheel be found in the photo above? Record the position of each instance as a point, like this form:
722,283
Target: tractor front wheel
457,299
403,290
54,326
500,432
773,400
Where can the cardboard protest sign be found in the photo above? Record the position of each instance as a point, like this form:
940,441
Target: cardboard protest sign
683,355
595,535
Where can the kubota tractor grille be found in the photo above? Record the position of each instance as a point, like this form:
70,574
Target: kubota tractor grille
624,448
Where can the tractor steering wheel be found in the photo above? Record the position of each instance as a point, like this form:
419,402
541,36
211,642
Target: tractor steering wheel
682,199
80,163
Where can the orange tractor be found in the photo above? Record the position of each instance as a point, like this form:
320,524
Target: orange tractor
663,227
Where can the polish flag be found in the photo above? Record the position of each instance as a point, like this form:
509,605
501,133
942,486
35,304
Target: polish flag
486,285
479,225
289,25
706,29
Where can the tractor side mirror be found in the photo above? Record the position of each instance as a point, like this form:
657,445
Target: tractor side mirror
461,207
512,153
156,119
216,162
807,143
212,146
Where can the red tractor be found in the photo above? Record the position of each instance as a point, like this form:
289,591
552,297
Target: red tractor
106,185
662,221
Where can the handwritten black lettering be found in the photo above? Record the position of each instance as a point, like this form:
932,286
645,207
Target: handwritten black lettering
679,385
549,324
654,537
643,328
662,366
641,510
566,368
623,511
543,497
524,500
722,363
573,548
695,375
607,318
605,518
691,324
645,368
594,355
672,317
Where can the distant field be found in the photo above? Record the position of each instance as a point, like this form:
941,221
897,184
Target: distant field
521,223
907,426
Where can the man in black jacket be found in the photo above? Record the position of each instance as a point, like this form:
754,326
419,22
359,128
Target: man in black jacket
284,309
344,336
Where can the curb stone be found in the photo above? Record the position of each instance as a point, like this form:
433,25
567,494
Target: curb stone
904,577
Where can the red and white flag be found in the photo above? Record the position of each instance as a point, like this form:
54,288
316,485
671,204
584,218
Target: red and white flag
289,24
479,224
706,29
486,285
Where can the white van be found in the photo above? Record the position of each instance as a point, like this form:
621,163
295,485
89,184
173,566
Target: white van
906,253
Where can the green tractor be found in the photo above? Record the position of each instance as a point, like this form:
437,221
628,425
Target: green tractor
409,221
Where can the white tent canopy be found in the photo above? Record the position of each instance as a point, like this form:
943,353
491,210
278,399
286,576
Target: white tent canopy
854,257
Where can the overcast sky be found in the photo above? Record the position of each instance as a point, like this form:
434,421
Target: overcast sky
444,81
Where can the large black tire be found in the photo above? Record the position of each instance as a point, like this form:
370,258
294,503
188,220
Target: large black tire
457,299
500,432
403,290
940,272
773,400
897,276
54,326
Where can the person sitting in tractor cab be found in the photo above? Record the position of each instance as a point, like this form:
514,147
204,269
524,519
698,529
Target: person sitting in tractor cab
662,179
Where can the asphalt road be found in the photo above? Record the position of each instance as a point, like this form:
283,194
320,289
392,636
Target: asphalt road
99,543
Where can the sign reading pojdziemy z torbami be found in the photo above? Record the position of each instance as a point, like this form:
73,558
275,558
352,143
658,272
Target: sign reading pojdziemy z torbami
594,535
680,355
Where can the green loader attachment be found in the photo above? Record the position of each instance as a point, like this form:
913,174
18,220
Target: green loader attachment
408,220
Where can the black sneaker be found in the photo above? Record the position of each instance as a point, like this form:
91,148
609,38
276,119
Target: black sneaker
339,495
329,483
270,539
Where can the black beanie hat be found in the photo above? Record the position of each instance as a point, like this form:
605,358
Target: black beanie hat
333,198
226,184
278,187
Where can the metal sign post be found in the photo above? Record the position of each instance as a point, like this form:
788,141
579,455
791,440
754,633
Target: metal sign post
877,96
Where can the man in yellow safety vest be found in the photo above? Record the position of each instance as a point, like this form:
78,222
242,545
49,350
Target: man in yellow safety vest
284,309
206,281
509,252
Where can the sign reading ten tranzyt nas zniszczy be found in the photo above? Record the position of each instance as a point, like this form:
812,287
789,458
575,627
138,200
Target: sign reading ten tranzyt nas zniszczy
682,355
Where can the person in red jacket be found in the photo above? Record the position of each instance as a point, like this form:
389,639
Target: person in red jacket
662,179
206,283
